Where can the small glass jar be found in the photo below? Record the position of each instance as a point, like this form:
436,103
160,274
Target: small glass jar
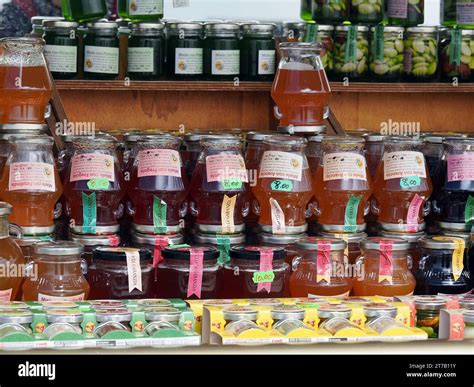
352,250
327,312
112,320
386,54
320,268
366,11
427,314
286,242
63,321
257,52
153,303
406,14
336,325
414,250
221,51
375,310
101,51
189,272
156,243
141,10
249,266
457,13
107,304
266,302
146,51
383,324
288,318
240,319
37,29
223,243
61,49
83,10
420,61
161,318
351,52
330,11
457,56
91,242
323,34
468,325
185,51
466,303
15,317
109,274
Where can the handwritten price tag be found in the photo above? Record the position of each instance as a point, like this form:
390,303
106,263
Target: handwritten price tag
232,184
98,184
410,181
263,276
282,185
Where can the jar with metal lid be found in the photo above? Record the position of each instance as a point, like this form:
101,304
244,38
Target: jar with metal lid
84,10
221,51
256,272
91,242
384,268
13,305
159,319
322,34
466,303
146,51
352,250
351,52
320,268
240,319
284,241
141,10
421,54
266,302
406,14
37,24
457,13
145,303
156,243
288,318
101,51
189,273
443,266
366,12
330,11
56,273
257,52
130,150
427,314
63,321
18,321
121,273
223,243
192,147
107,304
413,250
27,243
375,310
327,312
382,325
386,54
291,31
112,320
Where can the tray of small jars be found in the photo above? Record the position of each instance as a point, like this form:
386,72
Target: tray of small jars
304,320
100,323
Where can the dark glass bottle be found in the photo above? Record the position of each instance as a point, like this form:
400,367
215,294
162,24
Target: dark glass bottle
84,10
405,13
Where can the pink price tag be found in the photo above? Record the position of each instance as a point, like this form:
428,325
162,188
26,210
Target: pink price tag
114,240
456,326
160,243
196,261
453,302
323,262
266,264
460,167
413,213
385,261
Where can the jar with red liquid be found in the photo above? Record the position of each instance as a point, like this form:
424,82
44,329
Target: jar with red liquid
219,186
189,273
25,83
156,243
192,148
222,242
130,150
119,273
284,186
352,250
91,242
94,186
320,269
301,89
414,248
158,186
374,151
286,242
384,268
30,182
256,272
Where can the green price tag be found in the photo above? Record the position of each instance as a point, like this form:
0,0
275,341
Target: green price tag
455,47
98,184
378,42
263,277
282,185
469,210
311,32
232,184
89,213
159,216
178,246
350,216
410,182
223,245
351,44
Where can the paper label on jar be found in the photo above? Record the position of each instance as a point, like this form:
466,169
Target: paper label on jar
46,297
225,62
145,7
266,62
397,9
103,60
345,166
88,166
89,213
404,164
134,271
379,42
460,167
413,213
225,167
161,242
281,165
6,295
323,262
457,263
160,209
32,177
278,218
386,262
61,59
188,61
469,210
196,264
407,60
351,44
141,59
350,215
455,47
464,12
159,162
265,276
227,214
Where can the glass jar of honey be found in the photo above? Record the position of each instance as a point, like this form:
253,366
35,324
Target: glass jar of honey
156,243
223,243
352,250
286,242
112,320
161,318
63,321
91,242
414,249
240,319
327,312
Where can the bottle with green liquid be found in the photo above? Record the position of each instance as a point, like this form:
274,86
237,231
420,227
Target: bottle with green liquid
84,10
140,10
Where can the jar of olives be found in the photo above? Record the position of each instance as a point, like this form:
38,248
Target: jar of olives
421,53
457,55
330,11
458,13
386,54
351,52
322,34
366,11
405,13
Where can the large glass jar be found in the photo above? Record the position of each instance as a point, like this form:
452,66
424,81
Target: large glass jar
219,185
84,10
91,242
221,51
146,51
94,186
413,239
457,13
384,270
342,185
158,185
25,84
31,184
257,52
319,268
192,148
405,13
283,187
421,54
351,52
366,11
61,49
386,54
330,11
156,243
373,152
223,243
141,10
352,250
59,273
130,150
402,186
101,51
322,34
189,273
286,242
119,273
185,51
444,266
457,55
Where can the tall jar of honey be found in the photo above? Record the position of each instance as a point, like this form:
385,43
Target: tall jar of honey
402,186
342,185
30,182
384,268
319,268
284,186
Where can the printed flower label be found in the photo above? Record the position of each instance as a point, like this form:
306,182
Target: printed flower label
225,167
345,166
159,162
460,167
281,165
31,177
404,164
88,166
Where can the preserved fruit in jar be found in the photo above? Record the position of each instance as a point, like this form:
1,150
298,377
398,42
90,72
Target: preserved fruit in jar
330,11
322,34
421,54
405,13
351,52
457,13
386,54
457,56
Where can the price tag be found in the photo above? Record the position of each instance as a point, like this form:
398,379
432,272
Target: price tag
282,185
232,184
263,276
410,182
98,184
